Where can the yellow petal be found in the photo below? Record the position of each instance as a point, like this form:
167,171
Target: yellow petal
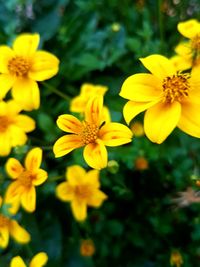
181,63
45,66
141,87
26,44
106,114
190,119
160,120
26,92
40,177
184,49
6,53
6,82
25,122
78,104
14,205
79,209
92,177
189,28
17,262
14,191
159,66
13,108
5,144
96,199
4,237
39,260
115,134
13,168
132,109
66,144
28,199
75,175
65,191
17,136
93,113
88,89
3,108
33,159
96,156
19,233
69,124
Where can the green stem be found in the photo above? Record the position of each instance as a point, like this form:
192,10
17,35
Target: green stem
55,178
56,91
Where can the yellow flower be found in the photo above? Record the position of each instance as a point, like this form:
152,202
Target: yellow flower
93,133
88,90
13,126
82,190
170,98
87,248
22,189
137,129
9,227
39,260
141,164
176,259
22,66
189,51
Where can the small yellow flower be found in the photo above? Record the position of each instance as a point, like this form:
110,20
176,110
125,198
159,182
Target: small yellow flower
176,259
9,227
171,99
39,260
88,90
141,164
93,133
22,189
22,66
137,129
189,51
13,126
87,248
82,190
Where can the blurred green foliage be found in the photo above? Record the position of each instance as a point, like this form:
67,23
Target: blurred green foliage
100,42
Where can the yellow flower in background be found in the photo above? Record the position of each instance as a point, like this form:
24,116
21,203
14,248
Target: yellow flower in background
137,129
93,133
176,259
88,90
87,248
22,66
13,126
9,227
25,179
81,189
171,99
189,51
39,260
141,163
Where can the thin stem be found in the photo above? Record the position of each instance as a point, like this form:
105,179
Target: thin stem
56,91
55,178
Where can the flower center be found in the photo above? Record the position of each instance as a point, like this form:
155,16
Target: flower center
3,221
82,191
175,88
18,66
25,178
195,43
4,123
89,133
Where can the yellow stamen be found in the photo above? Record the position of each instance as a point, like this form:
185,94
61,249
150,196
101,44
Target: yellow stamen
25,178
89,133
175,88
4,123
19,66
82,191
3,221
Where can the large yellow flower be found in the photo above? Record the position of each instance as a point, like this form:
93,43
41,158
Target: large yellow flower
13,126
170,97
11,227
188,52
22,66
39,260
93,133
82,190
22,189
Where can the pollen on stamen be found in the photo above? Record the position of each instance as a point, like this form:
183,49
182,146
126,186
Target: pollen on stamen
4,221
19,66
25,178
175,88
89,133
